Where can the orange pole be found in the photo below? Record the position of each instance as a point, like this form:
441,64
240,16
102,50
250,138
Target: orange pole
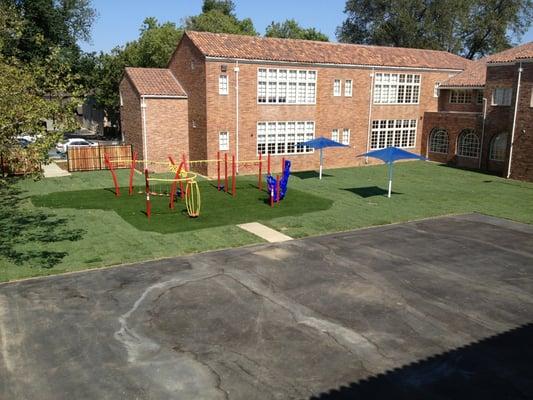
259,180
218,170
184,159
233,176
113,174
132,170
226,172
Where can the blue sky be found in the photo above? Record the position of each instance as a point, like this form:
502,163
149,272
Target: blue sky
119,20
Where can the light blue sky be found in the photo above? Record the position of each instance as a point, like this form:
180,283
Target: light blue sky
119,20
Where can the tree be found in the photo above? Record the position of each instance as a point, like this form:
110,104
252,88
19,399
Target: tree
153,49
219,16
472,28
31,92
290,29
48,24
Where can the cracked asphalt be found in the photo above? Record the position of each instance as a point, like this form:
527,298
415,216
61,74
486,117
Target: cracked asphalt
439,308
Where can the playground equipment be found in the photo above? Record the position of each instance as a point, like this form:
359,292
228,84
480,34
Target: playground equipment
191,194
277,188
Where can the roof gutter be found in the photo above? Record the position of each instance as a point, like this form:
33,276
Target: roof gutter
461,87
520,69
161,96
307,63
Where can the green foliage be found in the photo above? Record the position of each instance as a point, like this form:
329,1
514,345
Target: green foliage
290,29
153,49
472,28
219,22
224,6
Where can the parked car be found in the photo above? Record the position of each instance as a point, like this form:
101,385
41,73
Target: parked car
62,147
23,142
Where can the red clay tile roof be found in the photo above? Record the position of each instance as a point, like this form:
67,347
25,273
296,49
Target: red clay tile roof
524,51
306,51
475,74
154,82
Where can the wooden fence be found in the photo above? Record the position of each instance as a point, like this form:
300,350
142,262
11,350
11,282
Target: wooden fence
92,158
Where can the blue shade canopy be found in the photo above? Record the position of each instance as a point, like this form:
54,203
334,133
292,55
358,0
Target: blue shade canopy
391,154
321,143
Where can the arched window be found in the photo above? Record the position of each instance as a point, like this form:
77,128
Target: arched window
468,144
438,141
498,146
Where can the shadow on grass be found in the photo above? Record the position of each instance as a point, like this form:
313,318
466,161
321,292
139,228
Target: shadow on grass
310,175
369,191
23,229
498,367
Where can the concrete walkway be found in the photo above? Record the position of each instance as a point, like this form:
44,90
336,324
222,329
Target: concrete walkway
264,232
52,170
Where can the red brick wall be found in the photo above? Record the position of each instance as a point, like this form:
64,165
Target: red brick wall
522,163
188,65
445,105
329,112
166,130
130,116
454,123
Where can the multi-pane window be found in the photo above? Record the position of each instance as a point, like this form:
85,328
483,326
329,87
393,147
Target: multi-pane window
335,135
439,141
345,136
284,137
223,141
348,87
396,88
282,86
498,147
502,96
223,84
468,144
337,87
397,133
460,96
479,98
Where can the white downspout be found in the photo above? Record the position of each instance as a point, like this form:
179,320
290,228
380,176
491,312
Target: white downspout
482,131
236,69
370,113
144,135
514,120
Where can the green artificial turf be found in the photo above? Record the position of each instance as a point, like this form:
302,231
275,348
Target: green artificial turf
73,223
217,207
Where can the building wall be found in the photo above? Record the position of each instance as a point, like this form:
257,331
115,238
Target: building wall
188,65
498,119
445,105
130,116
328,113
166,130
522,162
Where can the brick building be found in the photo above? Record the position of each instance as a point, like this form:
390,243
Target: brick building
485,116
250,95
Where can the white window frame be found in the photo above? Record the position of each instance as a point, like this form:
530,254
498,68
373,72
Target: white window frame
396,88
436,146
223,84
393,132
346,136
223,143
282,137
436,89
337,91
335,135
348,88
460,96
286,86
465,149
502,96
